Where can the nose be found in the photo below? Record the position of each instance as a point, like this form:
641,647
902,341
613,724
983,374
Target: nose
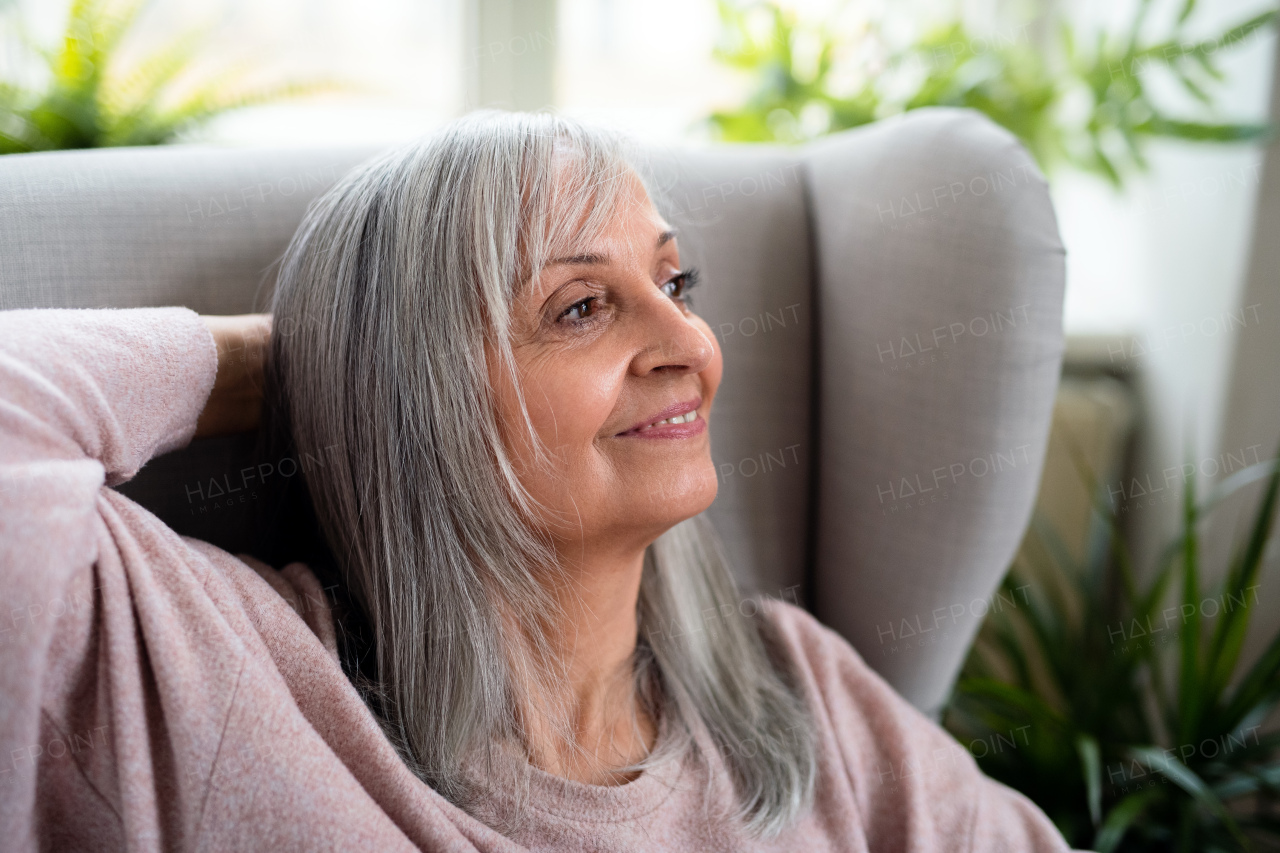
669,342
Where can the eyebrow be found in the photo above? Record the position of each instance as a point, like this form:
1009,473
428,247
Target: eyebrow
590,258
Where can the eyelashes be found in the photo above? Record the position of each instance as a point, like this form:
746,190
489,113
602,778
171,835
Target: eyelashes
579,308
677,287
688,279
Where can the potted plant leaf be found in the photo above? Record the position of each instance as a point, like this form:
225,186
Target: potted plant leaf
1074,97
91,99
1142,730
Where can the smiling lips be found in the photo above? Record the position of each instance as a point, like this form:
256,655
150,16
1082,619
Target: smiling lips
678,421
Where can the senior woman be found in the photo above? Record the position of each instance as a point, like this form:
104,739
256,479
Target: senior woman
488,335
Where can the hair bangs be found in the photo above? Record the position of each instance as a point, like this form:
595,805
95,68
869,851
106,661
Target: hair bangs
575,185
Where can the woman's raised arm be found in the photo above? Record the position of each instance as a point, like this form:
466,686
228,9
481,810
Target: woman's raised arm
86,398
106,386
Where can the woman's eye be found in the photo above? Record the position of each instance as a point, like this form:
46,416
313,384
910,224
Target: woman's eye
679,285
579,310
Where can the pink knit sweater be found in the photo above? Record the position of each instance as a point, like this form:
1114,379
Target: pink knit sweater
158,693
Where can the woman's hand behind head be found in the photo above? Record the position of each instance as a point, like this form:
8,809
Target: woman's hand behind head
235,404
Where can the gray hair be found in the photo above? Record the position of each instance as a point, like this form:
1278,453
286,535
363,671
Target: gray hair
390,300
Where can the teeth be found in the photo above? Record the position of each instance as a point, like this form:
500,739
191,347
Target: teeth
687,417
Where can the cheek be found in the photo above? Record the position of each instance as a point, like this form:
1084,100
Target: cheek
569,398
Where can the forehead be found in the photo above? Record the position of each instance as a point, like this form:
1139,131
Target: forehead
586,206
616,210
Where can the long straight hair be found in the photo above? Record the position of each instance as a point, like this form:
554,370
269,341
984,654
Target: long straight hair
391,301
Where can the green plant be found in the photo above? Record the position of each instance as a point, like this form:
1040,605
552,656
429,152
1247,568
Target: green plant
91,101
1143,733
1083,100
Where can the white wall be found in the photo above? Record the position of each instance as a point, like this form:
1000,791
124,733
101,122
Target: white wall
1166,261
1253,408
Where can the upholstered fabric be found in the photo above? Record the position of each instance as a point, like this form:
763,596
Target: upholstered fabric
888,301
939,312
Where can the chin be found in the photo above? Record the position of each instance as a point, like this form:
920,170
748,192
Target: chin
680,495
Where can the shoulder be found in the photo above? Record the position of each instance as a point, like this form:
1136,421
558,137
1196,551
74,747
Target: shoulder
860,710
914,785
816,649
799,624
272,598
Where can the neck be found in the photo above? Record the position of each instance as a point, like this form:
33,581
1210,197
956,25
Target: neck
595,643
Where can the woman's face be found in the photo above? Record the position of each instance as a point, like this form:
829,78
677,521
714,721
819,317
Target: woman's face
606,350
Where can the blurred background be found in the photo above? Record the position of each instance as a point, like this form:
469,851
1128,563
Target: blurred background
1151,118
1158,221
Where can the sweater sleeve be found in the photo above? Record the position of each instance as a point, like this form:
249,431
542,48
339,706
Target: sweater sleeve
111,386
86,398
915,787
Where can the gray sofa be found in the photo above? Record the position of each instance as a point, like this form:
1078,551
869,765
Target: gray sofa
888,301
